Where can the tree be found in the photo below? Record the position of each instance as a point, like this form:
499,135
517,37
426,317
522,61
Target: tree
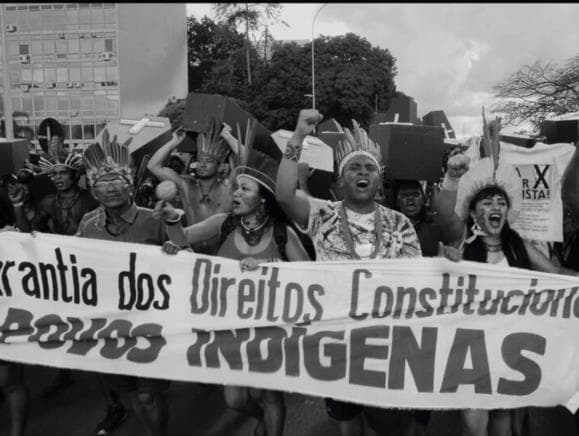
209,44
253,16
539,90
351,76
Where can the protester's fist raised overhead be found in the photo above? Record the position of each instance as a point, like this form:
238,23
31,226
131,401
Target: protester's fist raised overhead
458,165
307,121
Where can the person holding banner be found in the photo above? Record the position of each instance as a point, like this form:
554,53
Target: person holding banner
256,231
488,200
355,228
206,194
11,380
117,218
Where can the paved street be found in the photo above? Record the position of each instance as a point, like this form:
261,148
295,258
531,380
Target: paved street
200,410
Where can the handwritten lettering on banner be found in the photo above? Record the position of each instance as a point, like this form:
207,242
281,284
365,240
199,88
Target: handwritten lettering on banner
398,333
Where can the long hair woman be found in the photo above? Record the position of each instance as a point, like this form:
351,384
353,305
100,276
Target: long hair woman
255,231
489,201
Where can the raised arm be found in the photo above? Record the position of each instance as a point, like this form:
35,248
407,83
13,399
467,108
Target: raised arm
444,201
540,262
570,187
296,207
180,236
155,164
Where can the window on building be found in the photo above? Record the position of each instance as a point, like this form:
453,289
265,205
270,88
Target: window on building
47,17
62,74
61,46
58,17
112,74
35,19
37,73
48,46
87,73
73,45
71,17
87,106
84,16
109,44
24,49
112,106
50,74
74,74
97,17
76,130
36,47
99,74
98,44
75,101
51,104
26,75
16,104
110,17
86,44
27,103
13,48
88,131
39,105
63,108
100,104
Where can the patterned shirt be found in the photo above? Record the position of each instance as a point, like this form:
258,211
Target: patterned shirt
140,227
398,236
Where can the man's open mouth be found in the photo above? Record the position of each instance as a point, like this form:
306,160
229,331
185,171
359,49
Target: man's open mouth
362,183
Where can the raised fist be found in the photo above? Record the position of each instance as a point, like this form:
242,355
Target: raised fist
307,121
457,165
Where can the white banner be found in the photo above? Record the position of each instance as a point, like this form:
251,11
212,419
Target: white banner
420,333
541,169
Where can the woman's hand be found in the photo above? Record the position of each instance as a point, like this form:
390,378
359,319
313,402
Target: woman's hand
451,253
165,211
16,193
458,165
170,248
249,264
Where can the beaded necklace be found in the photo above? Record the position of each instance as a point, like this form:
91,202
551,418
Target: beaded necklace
345,229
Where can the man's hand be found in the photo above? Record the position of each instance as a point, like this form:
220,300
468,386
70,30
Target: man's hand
307,122
458,165
164,211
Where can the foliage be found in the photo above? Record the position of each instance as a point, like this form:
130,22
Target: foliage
539,90
350,74
209,44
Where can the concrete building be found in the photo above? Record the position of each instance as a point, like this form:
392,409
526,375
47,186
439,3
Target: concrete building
87,63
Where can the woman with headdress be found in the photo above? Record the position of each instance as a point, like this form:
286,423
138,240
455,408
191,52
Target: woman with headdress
255,231
488,200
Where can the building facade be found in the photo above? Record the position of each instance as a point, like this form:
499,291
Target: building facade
87,63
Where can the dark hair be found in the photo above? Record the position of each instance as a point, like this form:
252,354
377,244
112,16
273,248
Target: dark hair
278,220
398,185
512,243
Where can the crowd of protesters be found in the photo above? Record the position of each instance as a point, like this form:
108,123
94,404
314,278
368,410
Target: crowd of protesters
237,202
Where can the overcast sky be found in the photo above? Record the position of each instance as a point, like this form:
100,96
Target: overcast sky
448,55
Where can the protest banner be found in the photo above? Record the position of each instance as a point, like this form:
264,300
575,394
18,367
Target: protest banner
541,169
418,333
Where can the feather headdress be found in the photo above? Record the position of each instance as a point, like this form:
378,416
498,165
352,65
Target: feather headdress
488,172
252,163
108,158
354,143
211,143
58,156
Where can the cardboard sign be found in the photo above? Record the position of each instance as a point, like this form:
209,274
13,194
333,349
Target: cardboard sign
200,109
13,153
560,130
148,135
410,151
